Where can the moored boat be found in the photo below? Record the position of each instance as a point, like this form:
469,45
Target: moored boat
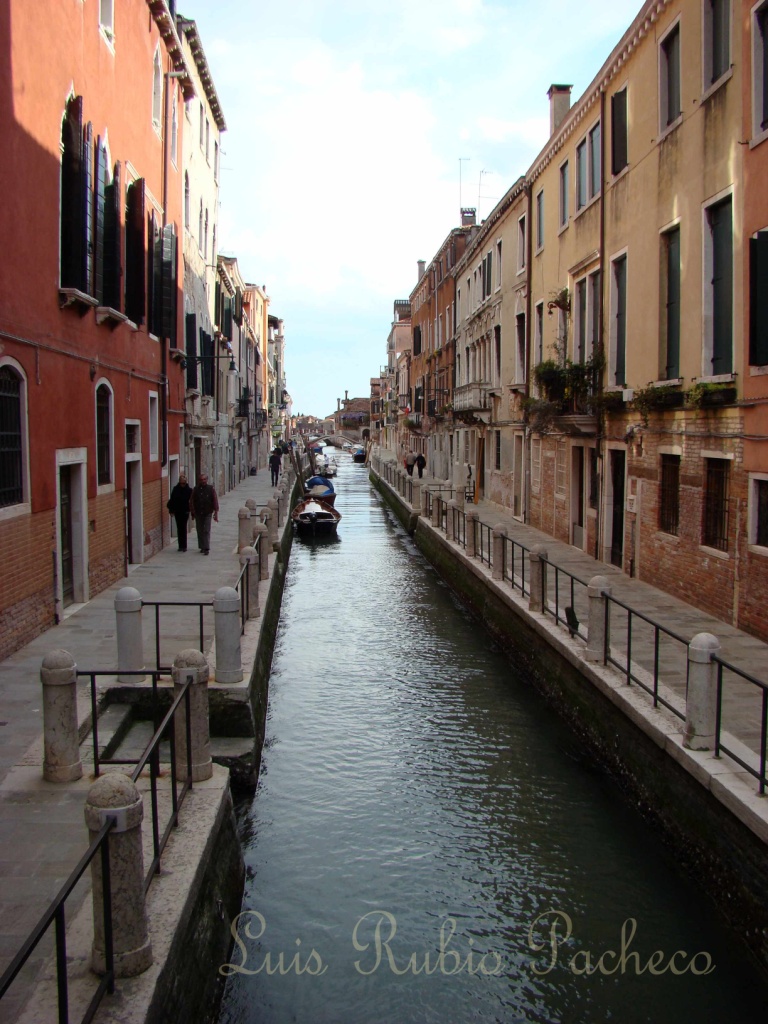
320,487
358,453
312,516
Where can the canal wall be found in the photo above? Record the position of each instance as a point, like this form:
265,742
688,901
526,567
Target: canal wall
707,810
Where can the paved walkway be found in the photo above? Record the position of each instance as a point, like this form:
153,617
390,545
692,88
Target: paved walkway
42,832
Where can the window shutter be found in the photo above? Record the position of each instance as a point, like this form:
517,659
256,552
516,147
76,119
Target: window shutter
218,312
758,299
238,307
190,326
112,241
169,284
99,201
72,240
722,288
155,276
621,320
619,156
135,280
226,328
206,344
88,210
673,305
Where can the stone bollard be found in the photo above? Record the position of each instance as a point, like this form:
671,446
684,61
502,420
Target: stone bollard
130,640
61,756
250,556
261,543
243,528
701,700
192,663
450,520
273,522
599,634
425,502
472,518
115,794
459,491
416,494
499,534
538,578
436,512
226,627
252,505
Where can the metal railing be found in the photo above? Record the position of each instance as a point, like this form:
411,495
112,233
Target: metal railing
565,614
244,590
483,542
761,696
157,605
514,549
459,522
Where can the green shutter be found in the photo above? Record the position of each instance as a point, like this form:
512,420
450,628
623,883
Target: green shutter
758,300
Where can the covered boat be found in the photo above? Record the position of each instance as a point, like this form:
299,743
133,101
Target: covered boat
358,453
312,516
320,487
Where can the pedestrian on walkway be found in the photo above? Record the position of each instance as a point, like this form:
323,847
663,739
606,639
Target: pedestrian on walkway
204,506
420,464
178,506
410,460
275,464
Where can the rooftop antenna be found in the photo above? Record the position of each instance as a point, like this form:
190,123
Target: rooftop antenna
462,160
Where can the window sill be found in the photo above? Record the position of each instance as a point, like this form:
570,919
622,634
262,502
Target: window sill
673,382
758,137
113,317
715,552
758,371
105,488
667,538
74,297
668,129
718,378
620,174
589,203
712,89
24,508
563,227
757,549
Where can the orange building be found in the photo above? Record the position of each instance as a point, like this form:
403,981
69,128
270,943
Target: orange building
91,405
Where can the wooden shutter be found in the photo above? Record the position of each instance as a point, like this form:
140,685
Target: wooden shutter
99,219
112,241
722,287
673,305
169,284
135,280
190,328
155,275
72,237
758,299
618,131
88,210
208,368
620,271
238,308
226,327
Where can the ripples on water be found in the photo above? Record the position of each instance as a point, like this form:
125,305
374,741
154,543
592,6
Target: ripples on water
412,775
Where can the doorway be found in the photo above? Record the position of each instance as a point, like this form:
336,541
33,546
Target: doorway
65,532
134,520
577,497
173,479
616,508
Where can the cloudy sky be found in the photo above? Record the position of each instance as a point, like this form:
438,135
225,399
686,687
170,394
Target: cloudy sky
356,130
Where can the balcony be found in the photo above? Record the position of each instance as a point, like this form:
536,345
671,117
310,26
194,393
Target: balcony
473,397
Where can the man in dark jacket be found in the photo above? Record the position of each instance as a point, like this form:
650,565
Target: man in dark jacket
204,506
178,506
275,464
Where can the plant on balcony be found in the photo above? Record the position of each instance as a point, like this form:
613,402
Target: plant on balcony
561,299
653,397
410,424
541,413
707,393
550,376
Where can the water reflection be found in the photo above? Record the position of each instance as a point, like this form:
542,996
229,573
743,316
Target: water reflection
427,828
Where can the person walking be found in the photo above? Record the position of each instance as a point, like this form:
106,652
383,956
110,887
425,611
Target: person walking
275,464
420,464
410,460
178,506
204,506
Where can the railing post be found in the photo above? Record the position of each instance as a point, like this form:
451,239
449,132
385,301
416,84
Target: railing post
61,743
436,514
250,556
416,495
450,520
472,518
130,641
425,502
226,620
272,523
701,700
499,533
538,582
598,592
261,543
192,663
243,528
116,795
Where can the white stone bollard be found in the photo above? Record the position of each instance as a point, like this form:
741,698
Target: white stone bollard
250,556
450,520
538,578
425,502
499,534
416,494
261,543
243,528
186,664
436,513
226,626
130,639
252,505
115,794
599,635
61,756
273,522
471,519
701,700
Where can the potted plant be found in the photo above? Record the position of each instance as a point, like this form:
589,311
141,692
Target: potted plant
551,379
655,397
706,393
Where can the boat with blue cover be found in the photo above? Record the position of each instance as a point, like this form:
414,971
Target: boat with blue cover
320,487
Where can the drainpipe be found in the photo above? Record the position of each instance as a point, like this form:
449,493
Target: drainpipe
599,447
529,360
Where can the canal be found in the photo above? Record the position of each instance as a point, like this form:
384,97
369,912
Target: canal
427,842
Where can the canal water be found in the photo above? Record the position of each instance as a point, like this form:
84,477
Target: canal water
428,843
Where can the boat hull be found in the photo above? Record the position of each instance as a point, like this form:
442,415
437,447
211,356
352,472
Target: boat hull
313,517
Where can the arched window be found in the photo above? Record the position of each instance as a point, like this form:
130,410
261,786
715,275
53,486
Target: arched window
157,90
103,434
12,437
186,200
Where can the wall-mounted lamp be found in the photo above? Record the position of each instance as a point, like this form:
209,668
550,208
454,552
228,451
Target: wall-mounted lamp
92,371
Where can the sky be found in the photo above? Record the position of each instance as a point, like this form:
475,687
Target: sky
355,133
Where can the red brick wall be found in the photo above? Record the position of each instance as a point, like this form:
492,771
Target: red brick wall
26,596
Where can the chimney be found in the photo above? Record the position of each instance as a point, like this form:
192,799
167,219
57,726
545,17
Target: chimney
559,105
422,265
468,217
338,405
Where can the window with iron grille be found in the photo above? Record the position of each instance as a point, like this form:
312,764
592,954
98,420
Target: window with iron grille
669,498
103,435
11,478
715,524
497,449
560,468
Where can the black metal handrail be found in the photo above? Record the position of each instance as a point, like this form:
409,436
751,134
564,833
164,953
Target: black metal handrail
720,747
507,543
483,542
244,592
157,605
56,913
570,620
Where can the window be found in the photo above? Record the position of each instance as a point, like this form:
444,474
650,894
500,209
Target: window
560,457
718,301
760,69
715,521
200,227
669,496
619,321
759,512
202,126
593,313
75,185
486,275
498,265
717,40
497,355
594,161
103,434
521,254
207,140
107,18
135,252
536,464
619,149
153,427
12,424
497,449
670,261
417,340
581,175
564,195
520,348
539,333
215,161
669,77
758,299
540,219
186,200
175,130
157,90
580,335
